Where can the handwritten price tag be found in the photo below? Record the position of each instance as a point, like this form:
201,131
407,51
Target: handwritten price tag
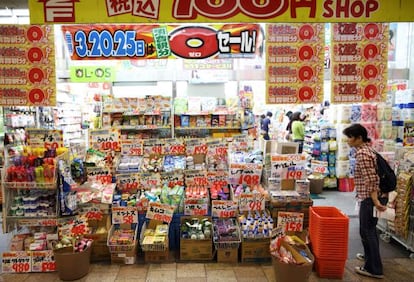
195,207
222,208
196,178
319,166
149,180
154,147
160,212
294,173
94,215
42,261
105,140
289,166
251,202
124,215
45,138
290,221
195,147
127,182
101,174
16,262
174,147
172,178
219,178
132,149
248,174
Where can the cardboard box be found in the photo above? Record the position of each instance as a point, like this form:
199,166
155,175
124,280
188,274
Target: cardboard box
255,250
196,249
228,255
156,257
124,257
100,252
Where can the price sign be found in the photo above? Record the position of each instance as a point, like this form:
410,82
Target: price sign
132,149
149,180
38,222
294,172
219,178
241,143
127,182
288,166
251,202
172,178
101,174
196,178
105,139
162,212
290,221
44,138
16,262
154,147
319,166
194,207
196,147
42,261
124,215
249,174
94,215
222,208
278,232
174,147
79,226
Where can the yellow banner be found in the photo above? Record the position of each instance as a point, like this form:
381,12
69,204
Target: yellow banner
185,11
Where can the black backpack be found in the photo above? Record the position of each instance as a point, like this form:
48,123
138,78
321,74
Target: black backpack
388,179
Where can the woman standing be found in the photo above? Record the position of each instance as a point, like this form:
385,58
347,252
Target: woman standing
298,129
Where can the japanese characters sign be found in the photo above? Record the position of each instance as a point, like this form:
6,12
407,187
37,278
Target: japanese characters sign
104,139
245,173
43,261
44,138
101,174
289,166
291,221
27,66
196,206
132,148
251,202
162,41
196,178
149,180
128,182
124,215
16,262
174,147
160,212
295,63
359,62
144,11
196,147
222,208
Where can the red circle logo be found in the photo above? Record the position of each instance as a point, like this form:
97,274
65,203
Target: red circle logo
305,73
370,92
306,32
305,93
370,51
34,33
370,72
371,31
35,55
305,53
36,75
36,96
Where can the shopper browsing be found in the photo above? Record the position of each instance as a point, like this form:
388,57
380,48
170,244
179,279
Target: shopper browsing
298,129
367,192
265,126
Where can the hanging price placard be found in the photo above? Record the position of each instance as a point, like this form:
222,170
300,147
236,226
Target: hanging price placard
132,148
290,221
127,182
149,180
154,147
105,139
289,166
44,138
222,208
249,174
196,147
161,212
251,202
174,147
99,174
79,226
16,262
196,178
94,215
124,215
43,261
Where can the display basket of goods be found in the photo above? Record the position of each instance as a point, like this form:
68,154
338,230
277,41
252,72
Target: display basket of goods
72,258
154,236
291,258
122,237
226,233
195,238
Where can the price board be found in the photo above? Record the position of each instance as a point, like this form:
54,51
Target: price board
221,208
79,226
174,147
99,174
94,215
218,177
241,143
124,215
127,182
217,148
149,180
38,222
43,261
16,262
161,212
246,173
320,167
297,172
132,148
290,221
251,202
172,178
44,138
196,207
288,166
196,178
105,140
154,147
196,147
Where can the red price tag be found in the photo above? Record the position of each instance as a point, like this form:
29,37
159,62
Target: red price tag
293,226
94,215
21,267
48,266
290,221
294,174
249,179
227,213
177,149
200,149
104,179
109,145
221,151
156,150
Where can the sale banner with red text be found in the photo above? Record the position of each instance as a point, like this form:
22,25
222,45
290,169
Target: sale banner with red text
27,65
155,41
359,62
295,63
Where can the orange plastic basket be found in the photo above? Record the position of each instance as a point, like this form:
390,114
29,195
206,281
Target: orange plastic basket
330,268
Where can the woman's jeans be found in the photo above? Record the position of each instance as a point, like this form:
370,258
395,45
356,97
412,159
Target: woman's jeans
369,237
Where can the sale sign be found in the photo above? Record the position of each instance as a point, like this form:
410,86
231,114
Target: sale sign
16,262
162,212
222,208
27,65
105,140
288,166
245,173
359,62
295,62
124,215
44,138
43,261
291,221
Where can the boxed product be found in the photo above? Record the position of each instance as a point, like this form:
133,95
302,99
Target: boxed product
154,241
196,238
122,237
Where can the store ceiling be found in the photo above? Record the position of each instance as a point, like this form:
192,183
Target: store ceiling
13,4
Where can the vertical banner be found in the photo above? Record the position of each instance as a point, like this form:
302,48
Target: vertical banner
295,63
27,66
359,62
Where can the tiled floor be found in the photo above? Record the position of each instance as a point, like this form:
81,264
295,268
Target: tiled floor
397,265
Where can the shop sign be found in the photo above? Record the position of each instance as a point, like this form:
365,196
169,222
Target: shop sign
27,66
291,221
359,62
132,42
124,215
161,212
44,138
43,261
224,209
295,63
108,11
92,74
16,262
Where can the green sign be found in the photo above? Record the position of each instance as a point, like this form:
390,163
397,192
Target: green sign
92,74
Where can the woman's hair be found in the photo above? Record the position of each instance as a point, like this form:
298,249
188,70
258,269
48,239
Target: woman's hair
356,130
296,116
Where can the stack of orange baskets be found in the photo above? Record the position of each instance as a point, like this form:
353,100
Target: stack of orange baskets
328,230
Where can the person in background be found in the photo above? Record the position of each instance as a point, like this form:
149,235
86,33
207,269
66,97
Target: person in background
298,129
289,125
265,126
367,193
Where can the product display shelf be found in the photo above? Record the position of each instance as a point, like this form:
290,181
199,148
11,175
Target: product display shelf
16,119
